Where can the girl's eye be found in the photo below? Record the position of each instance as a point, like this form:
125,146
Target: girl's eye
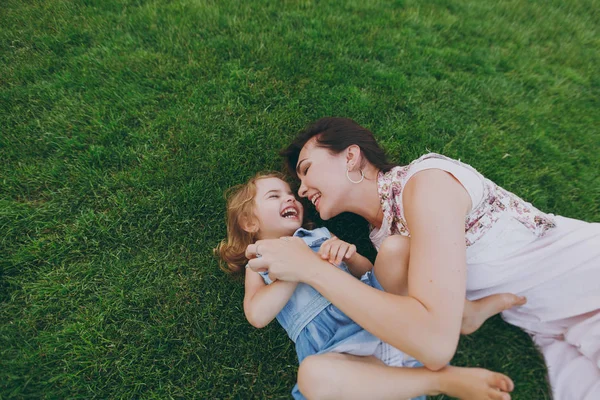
273,196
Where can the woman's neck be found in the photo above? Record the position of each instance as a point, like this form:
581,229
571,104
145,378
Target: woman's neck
366,202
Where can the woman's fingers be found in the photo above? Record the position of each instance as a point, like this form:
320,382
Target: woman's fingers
260,248
258,264
252,251
287,258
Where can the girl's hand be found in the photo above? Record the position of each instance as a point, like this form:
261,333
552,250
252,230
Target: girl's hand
288,259
335,250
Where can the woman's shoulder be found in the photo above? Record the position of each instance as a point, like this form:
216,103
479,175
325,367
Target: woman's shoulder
467,176
426,161
438,159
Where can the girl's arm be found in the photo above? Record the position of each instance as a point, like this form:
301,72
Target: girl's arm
263,302
336,250
424,324
358,265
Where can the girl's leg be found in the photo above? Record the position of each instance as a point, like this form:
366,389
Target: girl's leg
344,376
391,270
391,264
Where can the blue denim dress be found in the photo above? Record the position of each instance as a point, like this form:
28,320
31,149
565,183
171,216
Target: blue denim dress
317,326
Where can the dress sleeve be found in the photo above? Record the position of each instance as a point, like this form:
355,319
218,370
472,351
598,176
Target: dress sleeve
469,178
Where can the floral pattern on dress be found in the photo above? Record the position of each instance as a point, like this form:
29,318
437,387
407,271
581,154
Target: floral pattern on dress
482,217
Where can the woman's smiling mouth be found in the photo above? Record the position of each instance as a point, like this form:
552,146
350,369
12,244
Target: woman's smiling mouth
315,199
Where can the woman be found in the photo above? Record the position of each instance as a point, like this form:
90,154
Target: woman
454,217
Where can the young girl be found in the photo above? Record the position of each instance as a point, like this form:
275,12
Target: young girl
358,364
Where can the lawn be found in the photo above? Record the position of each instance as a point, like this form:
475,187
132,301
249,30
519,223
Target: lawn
122,123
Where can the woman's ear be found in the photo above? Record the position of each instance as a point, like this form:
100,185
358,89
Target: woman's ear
353,157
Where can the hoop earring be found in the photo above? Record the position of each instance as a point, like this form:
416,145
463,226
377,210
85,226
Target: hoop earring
362,176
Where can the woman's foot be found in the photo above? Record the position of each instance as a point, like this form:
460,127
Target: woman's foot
477,312
475,384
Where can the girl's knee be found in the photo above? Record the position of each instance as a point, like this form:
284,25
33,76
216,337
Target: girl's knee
393,253
391,264
395,244
313,379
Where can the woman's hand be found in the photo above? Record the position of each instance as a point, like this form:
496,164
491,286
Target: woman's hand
288,259
336,250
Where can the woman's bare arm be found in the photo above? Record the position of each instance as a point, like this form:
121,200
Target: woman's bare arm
425,324
435,206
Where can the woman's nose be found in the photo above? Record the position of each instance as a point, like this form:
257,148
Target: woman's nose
302,190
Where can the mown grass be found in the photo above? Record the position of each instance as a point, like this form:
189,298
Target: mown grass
122,123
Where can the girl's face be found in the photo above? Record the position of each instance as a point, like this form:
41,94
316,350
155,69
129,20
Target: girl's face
276,209
323,177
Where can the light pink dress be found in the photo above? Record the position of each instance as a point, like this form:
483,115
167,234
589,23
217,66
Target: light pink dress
512,247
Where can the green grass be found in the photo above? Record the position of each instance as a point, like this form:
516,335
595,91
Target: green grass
122,123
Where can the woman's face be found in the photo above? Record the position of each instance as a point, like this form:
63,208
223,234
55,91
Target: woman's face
323,179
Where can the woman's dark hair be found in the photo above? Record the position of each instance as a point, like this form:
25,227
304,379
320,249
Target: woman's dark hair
336,135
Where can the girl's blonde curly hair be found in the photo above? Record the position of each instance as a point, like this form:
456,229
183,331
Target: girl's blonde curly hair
240,206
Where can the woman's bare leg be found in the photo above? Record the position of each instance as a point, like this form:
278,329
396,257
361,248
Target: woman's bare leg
344,376
391,270
478,311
